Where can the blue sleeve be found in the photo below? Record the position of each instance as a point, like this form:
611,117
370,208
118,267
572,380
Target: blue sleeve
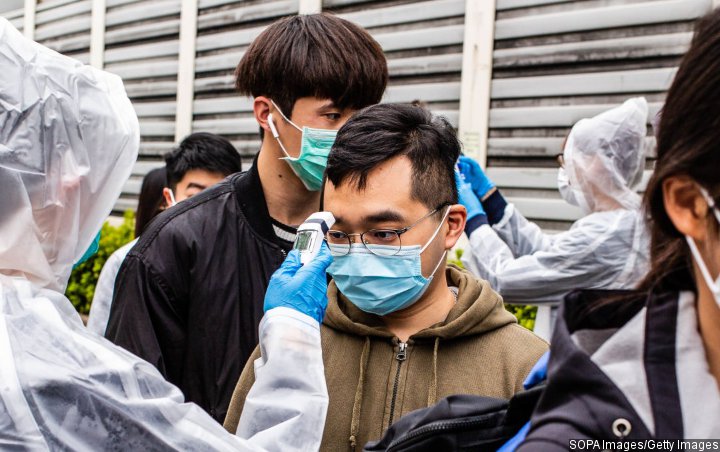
475,222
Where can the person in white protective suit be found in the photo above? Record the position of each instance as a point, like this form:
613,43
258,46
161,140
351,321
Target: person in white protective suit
603,161
68,140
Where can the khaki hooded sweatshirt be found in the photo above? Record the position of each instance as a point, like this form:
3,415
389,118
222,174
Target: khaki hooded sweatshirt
373,379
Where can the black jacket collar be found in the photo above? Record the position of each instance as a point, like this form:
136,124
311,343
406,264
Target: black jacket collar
251,200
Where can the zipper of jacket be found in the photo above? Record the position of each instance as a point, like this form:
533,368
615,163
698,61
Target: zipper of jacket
400,356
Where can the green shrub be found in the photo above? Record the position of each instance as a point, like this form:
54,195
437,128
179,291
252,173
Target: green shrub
81,287
525,314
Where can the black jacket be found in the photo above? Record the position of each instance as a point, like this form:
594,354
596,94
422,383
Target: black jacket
189,296
581,401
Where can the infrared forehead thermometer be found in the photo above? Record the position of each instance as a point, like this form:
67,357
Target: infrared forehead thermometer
311,233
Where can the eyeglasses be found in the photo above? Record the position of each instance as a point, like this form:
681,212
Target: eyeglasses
389,240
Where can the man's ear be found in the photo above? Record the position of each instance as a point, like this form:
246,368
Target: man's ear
262,108
686,207
456,225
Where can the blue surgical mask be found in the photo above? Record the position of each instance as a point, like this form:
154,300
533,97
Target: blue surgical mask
381,284
315,146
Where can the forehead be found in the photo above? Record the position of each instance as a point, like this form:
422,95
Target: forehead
201,177
388,188
311,104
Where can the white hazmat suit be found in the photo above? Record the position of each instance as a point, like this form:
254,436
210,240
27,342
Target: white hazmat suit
607,249
68,140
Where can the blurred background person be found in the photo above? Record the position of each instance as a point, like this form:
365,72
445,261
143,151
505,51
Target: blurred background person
200,161
601,165
151,200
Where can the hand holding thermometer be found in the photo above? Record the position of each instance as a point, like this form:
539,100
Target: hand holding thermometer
311,233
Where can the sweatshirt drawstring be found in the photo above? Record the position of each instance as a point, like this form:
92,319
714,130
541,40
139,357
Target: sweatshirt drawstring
357,405
432,393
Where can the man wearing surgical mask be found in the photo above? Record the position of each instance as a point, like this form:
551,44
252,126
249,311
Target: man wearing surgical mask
403,329
189,295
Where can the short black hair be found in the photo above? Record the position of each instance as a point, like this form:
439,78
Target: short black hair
379,133
201,150
318,55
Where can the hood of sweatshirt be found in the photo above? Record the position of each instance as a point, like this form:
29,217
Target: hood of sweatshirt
479,309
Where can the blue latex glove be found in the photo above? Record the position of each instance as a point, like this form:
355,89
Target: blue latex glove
301,287
475,176
467,198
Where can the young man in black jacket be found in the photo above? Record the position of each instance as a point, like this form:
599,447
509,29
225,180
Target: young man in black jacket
189,296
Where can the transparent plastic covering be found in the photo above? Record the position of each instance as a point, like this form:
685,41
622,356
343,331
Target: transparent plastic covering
68,141
604,158
606,249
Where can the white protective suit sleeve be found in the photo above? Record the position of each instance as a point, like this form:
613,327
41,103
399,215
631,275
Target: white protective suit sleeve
104,289
301,388
520,235
69,138
606,250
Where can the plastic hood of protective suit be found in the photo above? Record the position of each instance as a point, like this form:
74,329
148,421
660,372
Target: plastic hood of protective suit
68,140
605,155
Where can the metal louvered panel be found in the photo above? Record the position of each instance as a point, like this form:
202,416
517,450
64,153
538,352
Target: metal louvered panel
558,61
141,46
65,26
423,42
16,17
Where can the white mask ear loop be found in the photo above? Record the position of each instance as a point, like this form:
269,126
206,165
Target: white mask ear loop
276,135
437,230
283,115
711,203
713,284
432,274
172,198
